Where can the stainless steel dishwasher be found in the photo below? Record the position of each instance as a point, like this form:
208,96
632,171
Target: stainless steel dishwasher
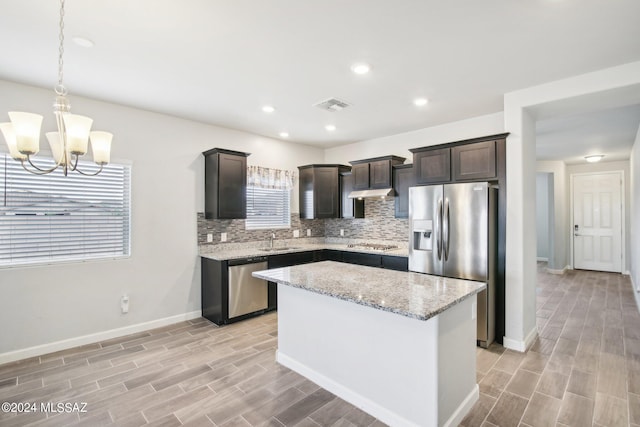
247,294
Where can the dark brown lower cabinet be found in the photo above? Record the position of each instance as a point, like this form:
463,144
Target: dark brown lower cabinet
215,277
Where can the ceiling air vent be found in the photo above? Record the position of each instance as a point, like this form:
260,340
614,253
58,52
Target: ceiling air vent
332,104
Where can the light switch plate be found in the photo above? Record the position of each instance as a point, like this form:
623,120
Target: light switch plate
296,233
223,237
474,310
341,232
308,232
209,237
124,304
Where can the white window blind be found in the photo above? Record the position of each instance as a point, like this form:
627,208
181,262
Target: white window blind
268,208
52,218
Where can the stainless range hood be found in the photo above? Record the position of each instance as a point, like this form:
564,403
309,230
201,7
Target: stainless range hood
364,194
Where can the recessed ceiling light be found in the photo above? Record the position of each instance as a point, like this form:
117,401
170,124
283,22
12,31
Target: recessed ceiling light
330,128
284,134
361,68
419,102
594,158
83,42
268,109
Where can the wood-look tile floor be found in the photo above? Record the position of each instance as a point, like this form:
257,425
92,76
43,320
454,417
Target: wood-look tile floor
192,373
584,369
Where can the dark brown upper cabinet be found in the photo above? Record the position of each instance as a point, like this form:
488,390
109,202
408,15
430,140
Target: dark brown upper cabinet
469,160
474,161
374,173
225,184
360,174
320,190
349,208
432,166
403,178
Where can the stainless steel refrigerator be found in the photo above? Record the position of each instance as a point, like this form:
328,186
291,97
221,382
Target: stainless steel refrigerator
453,233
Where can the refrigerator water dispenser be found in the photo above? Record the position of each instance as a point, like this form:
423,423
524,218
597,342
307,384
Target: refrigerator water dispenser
423,235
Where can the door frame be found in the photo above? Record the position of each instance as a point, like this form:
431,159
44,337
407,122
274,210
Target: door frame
623,241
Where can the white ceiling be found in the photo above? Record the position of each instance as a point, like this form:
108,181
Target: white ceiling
569,138
219,61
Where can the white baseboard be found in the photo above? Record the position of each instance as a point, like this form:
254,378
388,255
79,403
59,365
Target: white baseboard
356,399
464,408
39,350
518,345
555,271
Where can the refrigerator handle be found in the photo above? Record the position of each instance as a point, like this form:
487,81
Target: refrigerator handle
438,230
445,230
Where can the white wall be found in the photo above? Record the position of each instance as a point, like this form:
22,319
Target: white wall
605,167
542,215
559,255
400,144
47,304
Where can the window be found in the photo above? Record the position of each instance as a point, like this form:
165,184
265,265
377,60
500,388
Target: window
268,208
52,218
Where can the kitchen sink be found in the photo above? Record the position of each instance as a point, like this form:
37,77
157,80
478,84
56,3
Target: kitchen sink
281,248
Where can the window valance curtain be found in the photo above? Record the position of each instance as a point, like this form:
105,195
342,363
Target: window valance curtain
258,176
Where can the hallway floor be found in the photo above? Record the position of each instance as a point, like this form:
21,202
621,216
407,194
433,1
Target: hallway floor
582,370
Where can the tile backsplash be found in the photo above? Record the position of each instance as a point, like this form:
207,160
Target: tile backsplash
236,232
378,224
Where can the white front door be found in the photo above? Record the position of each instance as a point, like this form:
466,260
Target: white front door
597,221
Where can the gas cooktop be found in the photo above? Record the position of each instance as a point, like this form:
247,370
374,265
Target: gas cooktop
372,246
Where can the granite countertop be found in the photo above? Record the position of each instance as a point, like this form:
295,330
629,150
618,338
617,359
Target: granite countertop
415,295
224,254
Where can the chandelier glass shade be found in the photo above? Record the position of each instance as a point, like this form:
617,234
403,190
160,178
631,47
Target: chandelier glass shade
68,143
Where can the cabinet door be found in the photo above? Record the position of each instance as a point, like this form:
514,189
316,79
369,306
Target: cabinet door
286,260
326,196
359,258
306,193
232,187
395,263
474,161
360,174
380,174
403,178
214,290
432,166
331,255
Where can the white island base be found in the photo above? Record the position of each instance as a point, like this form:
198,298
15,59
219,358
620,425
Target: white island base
401,370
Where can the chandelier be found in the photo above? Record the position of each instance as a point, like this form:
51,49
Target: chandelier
68,143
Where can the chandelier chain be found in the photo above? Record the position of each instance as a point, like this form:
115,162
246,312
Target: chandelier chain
60,89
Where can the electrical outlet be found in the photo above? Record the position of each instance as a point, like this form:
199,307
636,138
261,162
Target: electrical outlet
223,237
341,232
124,304
209,237
308,232
296,233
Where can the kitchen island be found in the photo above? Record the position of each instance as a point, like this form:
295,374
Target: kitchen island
401,346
